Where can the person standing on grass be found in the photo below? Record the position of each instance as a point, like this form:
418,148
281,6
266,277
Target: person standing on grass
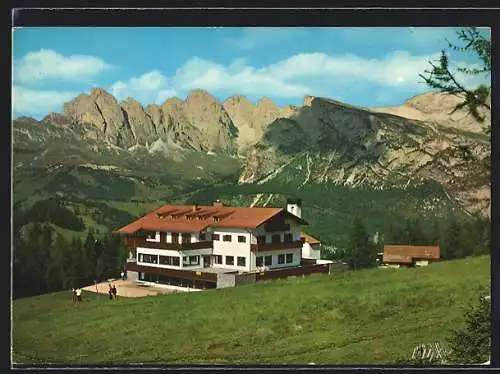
73,291
79,294
110,292
113,289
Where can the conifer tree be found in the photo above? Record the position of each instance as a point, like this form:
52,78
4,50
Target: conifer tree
361,252
471,343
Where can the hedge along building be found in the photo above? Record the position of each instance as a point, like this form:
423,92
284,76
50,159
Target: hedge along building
190,245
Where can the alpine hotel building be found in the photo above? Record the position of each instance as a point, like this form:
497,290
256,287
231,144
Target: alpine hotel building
190,245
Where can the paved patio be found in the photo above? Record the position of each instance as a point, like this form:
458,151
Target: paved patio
127,288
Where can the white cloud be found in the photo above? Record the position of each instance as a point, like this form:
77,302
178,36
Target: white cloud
395,69
38,102
151,87
48,64
235,78
308,73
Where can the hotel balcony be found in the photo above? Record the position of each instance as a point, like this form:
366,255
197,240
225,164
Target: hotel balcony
134,242
262,247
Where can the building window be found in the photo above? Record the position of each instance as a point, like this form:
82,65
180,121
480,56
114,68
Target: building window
151,235
202,236
194,260
268,260
288,238
259,261
242,239
226,238
175,237
241,261
281,259
276,238
218,259
289,258
169,260
229,260
261,239
185,260
215,237
149,259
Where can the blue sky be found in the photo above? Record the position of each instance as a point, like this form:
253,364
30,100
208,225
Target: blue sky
373,67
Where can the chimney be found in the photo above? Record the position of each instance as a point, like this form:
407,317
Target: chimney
293,206
218,204
195,207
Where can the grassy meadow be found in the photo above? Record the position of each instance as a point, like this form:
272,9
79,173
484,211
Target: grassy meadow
374,316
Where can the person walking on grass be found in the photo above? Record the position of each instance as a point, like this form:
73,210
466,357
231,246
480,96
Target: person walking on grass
79,294
113,289
110,292
73,292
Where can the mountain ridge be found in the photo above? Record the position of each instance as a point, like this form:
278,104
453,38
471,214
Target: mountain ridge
329,141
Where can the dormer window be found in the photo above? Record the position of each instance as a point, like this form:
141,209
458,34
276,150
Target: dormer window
216,219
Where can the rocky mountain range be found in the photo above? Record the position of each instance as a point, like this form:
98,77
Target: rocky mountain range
322,141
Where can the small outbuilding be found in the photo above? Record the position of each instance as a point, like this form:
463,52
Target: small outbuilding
410,255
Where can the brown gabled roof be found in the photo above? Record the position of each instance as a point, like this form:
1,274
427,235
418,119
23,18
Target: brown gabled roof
186,219
309,239
405,254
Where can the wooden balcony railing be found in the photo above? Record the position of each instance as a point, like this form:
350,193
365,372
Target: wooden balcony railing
277,227
134,242
275,246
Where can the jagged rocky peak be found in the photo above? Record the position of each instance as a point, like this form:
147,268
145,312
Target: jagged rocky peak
308,100
289,111
172,103
199,95
57,119
208,115
156,114
132,103
267,104
141,124
83,109
238,100
99,92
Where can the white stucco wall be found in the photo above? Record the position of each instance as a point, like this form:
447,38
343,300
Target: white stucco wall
232,248
296,258
311,251
294,230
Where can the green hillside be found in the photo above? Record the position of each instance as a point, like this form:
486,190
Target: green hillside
373,316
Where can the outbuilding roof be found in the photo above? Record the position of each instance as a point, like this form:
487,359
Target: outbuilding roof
405,254
309,239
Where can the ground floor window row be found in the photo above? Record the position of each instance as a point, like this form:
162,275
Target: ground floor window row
158,259
284,258
190,260
179,282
